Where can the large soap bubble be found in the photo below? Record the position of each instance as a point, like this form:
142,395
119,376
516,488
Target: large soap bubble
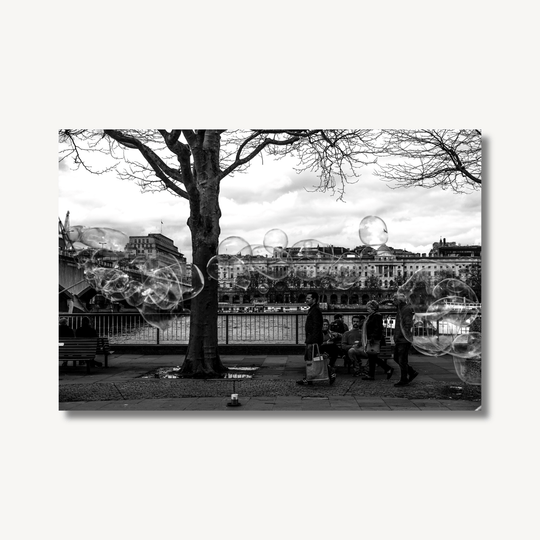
454,311
308,245
157,317
346,274
426,335
103,237
275,239
451,287
234,245
373,231
467,345
469,370
258,250
418,289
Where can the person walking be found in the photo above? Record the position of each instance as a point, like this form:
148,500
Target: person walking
314,333
373,334
403,328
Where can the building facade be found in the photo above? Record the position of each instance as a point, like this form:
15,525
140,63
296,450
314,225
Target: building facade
342,277
155,245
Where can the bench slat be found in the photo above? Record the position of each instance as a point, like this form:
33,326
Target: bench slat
77,349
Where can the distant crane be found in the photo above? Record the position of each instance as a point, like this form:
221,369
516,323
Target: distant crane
63,229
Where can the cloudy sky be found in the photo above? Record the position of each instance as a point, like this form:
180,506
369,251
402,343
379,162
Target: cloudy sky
272,196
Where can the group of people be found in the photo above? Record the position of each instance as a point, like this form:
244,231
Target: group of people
85,330
361,343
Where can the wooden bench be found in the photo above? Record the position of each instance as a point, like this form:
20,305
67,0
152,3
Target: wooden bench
387,353
78,350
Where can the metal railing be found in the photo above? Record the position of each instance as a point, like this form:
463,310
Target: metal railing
233,328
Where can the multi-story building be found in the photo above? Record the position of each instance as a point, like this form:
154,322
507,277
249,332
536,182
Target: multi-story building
344,276
155,245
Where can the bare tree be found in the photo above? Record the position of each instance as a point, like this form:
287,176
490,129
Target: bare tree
191,164
449,159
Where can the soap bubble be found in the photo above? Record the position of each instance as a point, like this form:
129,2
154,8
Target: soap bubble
454,311
74,233
373,231
275,238
273,268
467,345
213,266
155,316
418,289
115,284
193,283
451,287
100,237
243,281
226,268
384,251
258,250
133,294
346,275
426,335
154,285
162,288
263,288
310,245
469,370
234,245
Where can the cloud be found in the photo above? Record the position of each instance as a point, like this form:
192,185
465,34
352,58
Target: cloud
273,196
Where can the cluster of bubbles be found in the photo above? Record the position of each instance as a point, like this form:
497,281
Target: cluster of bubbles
445,322
445,308
156,287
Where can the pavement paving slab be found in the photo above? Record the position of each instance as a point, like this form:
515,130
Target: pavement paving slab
273,388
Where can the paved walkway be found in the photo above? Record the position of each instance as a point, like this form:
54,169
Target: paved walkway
273,388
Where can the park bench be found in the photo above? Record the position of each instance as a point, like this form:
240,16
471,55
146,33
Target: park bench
387,353
78,350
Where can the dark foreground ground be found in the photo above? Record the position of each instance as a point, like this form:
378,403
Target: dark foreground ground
129,384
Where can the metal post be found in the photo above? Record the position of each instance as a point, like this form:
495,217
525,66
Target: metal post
296,317
157,335
226,328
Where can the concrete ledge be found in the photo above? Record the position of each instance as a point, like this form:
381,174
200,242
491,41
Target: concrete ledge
252,349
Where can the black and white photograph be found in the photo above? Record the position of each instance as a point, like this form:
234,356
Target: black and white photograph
267,270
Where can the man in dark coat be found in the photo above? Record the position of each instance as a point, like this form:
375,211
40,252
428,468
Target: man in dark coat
314,333
404,323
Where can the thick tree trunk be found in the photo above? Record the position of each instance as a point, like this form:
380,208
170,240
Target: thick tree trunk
202,358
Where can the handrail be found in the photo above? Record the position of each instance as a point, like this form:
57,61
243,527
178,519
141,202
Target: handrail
233,328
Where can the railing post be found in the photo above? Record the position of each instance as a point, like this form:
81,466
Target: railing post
157,335
227,329
297,328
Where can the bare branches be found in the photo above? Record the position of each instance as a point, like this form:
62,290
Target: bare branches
182,161
449,159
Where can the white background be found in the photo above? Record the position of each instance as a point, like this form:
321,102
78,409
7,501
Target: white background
289,475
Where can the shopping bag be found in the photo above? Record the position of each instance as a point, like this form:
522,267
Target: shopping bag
317,367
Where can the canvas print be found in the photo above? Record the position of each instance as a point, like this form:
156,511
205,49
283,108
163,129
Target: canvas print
270,270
